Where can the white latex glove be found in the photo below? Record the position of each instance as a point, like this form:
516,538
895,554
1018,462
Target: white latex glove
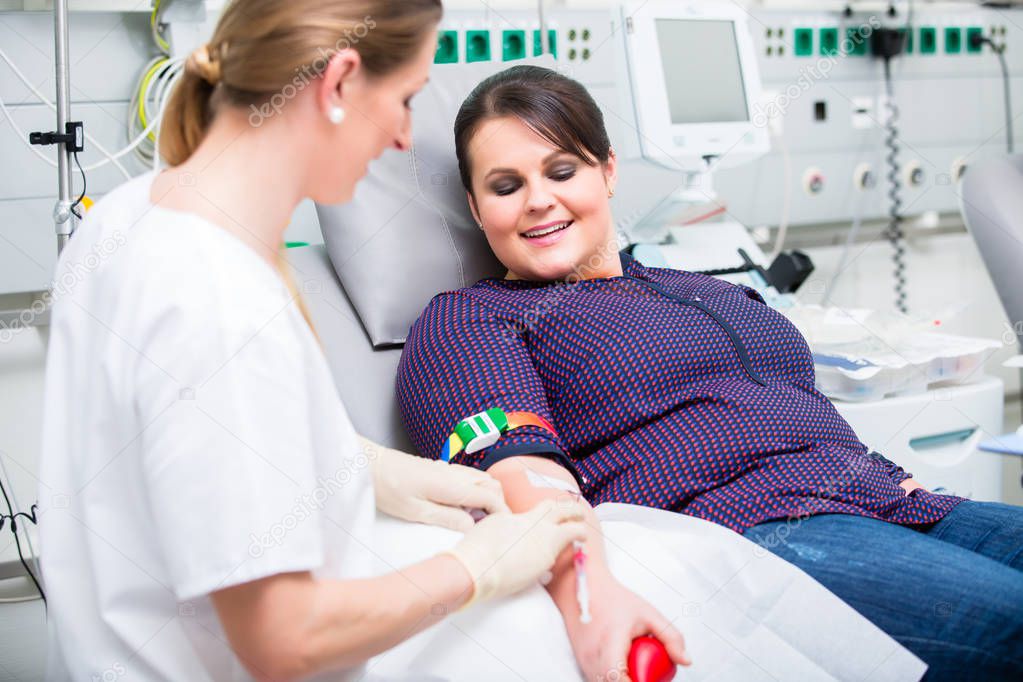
430,491
505,553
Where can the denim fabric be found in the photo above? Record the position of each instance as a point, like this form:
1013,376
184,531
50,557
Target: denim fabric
949,591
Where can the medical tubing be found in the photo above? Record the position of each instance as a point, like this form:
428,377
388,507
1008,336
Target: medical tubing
1000,52
1010,145
45,100
78,201
13,517
17,505
843,260
894,230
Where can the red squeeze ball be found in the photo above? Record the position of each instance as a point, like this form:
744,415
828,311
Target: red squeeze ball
649,661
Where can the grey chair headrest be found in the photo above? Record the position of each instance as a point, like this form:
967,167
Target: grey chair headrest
991,200
408,234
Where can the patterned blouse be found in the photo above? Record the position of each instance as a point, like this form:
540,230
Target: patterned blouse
666,389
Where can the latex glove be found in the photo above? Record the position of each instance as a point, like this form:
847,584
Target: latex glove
429,491
505,553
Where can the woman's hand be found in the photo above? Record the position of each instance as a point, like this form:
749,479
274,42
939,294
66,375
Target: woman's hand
909,485
619,615
429,491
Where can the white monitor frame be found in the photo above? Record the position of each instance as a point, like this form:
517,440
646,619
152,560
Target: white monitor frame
687,146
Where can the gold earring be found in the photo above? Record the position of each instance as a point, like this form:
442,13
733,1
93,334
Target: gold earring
610,192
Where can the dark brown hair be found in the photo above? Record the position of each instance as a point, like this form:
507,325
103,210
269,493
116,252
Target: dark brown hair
555,107
262,48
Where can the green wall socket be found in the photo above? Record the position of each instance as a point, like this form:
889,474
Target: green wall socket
953,40
928,40
804,42
513,45
970,33
447,48
552,38
477,46
829,42
857,40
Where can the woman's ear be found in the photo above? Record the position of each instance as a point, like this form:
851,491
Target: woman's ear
342,69
472,207
611,171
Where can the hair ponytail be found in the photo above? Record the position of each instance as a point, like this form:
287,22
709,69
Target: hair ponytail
186,116
262,49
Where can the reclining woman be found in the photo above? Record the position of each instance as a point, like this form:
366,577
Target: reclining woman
679,391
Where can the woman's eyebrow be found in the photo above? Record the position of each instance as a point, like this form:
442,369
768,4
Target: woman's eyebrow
547,159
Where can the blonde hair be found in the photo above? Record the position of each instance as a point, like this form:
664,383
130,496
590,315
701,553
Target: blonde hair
263,52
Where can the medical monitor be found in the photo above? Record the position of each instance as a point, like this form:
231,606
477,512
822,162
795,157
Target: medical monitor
694,83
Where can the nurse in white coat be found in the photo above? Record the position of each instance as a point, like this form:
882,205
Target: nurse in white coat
204,498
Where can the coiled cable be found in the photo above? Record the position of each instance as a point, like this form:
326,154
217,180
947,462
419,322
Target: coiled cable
12,516
894,231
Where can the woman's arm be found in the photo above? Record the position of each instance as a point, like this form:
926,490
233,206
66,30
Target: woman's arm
618,615
292,625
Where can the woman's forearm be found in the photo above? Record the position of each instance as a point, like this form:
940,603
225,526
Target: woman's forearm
293,625
526,481
354,620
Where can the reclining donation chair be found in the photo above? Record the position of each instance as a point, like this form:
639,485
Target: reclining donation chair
406,236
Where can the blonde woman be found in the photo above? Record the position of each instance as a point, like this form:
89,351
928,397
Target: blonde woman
205,497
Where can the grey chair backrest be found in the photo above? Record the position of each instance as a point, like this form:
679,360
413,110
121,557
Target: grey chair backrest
406,236
991,201
364,375
408,233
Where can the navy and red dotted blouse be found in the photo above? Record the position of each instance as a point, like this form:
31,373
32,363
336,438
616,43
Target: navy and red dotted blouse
667,389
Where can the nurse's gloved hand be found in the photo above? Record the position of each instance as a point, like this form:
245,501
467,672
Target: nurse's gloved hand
430,491
505,553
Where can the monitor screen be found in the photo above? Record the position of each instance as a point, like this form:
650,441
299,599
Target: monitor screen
702,72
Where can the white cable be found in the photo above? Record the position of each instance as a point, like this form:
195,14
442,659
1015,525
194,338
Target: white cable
23,137
47,102
131,146
142,151
786,206
160,81
849,241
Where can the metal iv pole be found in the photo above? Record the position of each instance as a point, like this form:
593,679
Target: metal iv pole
63,218
69,136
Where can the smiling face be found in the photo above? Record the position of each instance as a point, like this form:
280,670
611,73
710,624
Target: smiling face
545,211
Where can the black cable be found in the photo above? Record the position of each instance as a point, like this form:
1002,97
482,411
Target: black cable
31,516
894,232
81,196
999,51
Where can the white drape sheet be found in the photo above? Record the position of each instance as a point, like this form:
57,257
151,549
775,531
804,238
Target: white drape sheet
746,614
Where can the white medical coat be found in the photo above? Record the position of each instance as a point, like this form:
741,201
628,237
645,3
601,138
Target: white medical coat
193,440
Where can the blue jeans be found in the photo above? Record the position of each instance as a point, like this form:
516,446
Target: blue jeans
951,591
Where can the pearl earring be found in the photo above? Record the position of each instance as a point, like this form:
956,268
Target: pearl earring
336,115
